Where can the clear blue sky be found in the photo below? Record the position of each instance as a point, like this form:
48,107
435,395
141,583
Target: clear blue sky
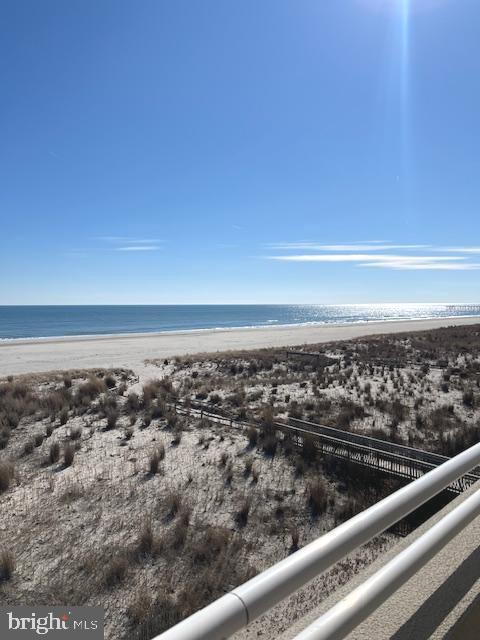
174,151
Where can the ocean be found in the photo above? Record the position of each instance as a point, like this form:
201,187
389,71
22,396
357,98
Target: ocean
53,321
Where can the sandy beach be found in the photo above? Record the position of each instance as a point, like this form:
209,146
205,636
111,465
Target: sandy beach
131,351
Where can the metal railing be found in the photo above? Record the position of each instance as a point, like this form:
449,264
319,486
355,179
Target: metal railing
239,607
345,616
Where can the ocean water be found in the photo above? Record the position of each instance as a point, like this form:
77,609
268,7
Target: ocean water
52,321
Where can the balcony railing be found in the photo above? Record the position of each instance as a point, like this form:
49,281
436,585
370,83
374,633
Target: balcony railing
240,607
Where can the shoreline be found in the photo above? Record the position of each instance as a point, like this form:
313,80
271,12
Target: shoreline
204,330
131,351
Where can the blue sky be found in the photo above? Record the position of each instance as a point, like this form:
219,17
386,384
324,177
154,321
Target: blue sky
173,151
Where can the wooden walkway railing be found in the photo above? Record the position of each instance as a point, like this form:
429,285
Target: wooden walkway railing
383,456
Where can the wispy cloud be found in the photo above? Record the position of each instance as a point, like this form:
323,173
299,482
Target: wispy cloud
129,243
366,258
377,254
419,266
370,246
117,243
128,240
324,257
140,247
76,253
461,249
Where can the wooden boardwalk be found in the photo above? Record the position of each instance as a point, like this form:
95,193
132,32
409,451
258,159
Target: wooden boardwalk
464,307
383,456
320,359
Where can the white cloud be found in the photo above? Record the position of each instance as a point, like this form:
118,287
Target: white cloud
387,261
419,266
373,245
142,247
376,253
128,240
365,258
461,249
323,257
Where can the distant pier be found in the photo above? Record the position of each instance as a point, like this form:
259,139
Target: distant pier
469,308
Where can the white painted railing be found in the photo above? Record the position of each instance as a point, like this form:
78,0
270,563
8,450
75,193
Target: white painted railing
239,607
337,623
